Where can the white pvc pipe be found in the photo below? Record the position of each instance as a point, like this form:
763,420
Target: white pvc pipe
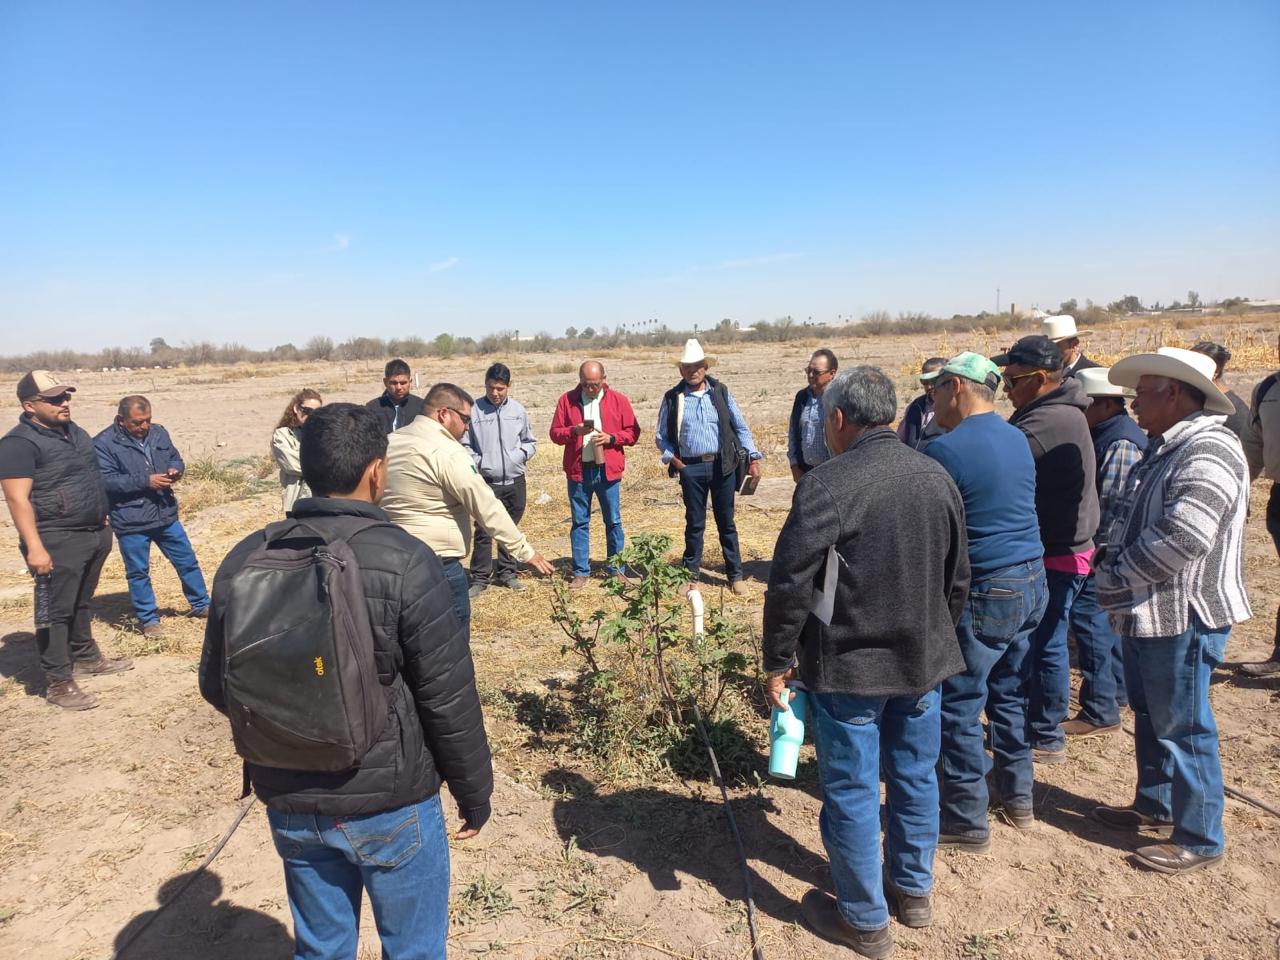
695,604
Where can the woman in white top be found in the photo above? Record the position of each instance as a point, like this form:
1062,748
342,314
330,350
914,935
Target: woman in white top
286,445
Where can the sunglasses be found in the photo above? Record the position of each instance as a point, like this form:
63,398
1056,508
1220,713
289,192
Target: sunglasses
307,411
813,372
57,401
466,420
1010,382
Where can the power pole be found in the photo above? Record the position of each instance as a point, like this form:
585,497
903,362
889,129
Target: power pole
997,299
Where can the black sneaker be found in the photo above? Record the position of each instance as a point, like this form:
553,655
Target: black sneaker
962,841
1023,818
824,918
910,910
476,589
510,583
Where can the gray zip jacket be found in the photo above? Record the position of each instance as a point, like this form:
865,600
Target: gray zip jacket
500,440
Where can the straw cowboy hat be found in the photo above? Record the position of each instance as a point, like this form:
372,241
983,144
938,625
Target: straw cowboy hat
1185,366
693,353
1096,383
1061,327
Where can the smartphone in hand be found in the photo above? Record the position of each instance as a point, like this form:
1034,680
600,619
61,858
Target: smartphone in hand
749,484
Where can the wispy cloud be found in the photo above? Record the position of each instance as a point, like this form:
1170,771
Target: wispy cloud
340,242
440,266
759,261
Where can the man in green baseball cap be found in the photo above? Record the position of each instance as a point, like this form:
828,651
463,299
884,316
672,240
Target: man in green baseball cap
992,466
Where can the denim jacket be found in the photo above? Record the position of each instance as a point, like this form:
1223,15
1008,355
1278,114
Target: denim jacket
126,471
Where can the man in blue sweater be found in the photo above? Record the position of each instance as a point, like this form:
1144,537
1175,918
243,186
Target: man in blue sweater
139,466
991,464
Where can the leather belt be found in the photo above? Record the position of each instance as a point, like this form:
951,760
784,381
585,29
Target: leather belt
704,458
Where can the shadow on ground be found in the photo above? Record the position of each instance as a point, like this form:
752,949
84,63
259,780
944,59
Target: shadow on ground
199,924
20,661
666,835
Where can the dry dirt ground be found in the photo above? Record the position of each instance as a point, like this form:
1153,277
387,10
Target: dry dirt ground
106,812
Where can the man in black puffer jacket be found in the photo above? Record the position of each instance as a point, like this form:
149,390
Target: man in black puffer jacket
379,827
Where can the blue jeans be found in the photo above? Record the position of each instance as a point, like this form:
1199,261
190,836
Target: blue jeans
1273,528
135,550
594,484
461,587
855,738
1175,737
698,480
995,634
1049,663
1102,691
400,856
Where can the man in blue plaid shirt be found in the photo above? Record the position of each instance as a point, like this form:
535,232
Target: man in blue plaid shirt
1118,444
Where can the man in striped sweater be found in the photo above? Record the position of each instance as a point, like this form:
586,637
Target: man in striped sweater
1171,577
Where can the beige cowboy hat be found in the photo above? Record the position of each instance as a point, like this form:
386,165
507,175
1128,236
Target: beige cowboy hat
1061,327
693,353
1096,383
1185,366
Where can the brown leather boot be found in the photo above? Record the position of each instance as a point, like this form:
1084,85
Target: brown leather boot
100,667
70,697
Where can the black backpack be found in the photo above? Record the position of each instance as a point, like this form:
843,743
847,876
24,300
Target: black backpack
301,686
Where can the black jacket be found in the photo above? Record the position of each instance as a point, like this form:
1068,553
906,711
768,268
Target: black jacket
409,408
1084,363
896,520
66,489
1066,469
434,726
126,474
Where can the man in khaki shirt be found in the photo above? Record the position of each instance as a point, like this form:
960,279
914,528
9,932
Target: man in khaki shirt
435,492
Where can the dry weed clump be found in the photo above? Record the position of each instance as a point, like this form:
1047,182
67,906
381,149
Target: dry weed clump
209,482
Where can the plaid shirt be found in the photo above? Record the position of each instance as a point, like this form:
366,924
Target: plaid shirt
1177,541
1118,462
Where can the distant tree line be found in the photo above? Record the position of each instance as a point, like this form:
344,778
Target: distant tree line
635,334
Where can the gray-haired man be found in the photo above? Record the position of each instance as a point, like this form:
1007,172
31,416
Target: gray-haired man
874,657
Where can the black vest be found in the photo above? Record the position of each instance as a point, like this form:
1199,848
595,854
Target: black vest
730,450
793,428
67,491
1120,427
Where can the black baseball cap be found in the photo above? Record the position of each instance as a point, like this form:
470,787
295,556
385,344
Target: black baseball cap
1033,351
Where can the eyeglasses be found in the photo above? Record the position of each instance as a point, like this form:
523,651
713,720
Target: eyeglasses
1010,382
57,401
815,372
465,418
305,412
939,384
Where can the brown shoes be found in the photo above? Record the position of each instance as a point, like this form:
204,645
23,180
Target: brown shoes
1265,668
1132,820
1171,858
577,583
1083,728
70,697
824,918
739,588
153,630
100,667
682,591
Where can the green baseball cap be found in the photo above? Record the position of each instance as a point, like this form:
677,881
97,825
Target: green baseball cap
971,366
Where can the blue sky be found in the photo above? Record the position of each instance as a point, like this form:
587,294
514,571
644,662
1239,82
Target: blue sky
264,172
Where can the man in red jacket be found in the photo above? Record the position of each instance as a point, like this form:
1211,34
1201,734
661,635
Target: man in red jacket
594,423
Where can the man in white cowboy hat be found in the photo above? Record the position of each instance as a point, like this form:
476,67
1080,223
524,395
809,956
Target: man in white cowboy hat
1172,579
1062,331
705,441
1118,444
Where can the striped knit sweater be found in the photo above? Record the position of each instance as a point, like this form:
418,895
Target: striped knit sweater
1177,543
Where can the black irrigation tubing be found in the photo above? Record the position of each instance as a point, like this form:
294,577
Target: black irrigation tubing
204,864
1233,792
757,952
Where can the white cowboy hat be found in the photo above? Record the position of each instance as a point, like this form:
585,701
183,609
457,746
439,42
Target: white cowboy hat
1185,366
693,353
1096,383
1061,327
